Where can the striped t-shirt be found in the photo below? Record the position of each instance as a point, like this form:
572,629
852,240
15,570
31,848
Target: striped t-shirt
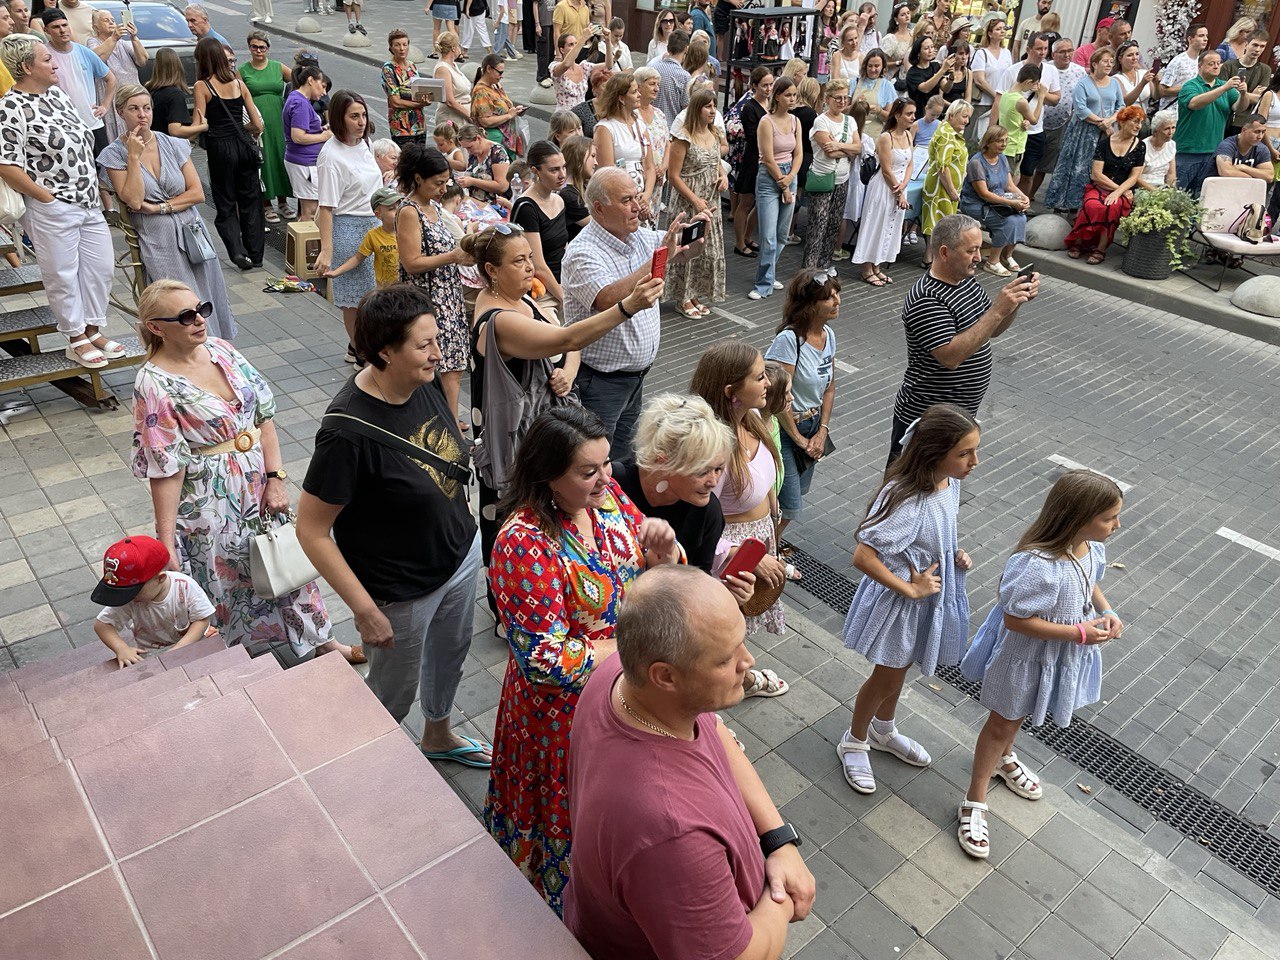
933,313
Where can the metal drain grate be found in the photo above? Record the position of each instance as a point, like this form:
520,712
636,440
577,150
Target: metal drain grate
1228,836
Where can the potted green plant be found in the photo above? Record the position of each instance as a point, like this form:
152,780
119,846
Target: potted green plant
1158,231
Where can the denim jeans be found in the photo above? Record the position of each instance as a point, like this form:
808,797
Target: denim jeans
774,218
616,399
502,40
1192,169
794,484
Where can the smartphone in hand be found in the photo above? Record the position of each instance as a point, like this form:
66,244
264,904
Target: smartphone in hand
692,232
1027,272
748,556
659,266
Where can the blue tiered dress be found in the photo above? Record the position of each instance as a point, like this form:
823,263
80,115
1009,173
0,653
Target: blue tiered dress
1025,677
892,630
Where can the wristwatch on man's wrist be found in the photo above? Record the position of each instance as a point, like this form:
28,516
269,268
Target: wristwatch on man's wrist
775,840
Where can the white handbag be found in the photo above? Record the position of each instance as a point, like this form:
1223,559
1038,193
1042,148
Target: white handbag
12,206
277,564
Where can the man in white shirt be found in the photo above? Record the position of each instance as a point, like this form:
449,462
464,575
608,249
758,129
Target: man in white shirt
1037,55
79,68
1182,67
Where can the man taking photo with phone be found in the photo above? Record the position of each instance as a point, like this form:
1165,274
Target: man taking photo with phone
601,265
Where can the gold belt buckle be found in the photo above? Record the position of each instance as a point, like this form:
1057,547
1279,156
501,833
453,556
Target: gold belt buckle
243,441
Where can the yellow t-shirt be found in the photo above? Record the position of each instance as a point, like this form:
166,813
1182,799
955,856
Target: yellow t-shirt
380,244
6,80
570,19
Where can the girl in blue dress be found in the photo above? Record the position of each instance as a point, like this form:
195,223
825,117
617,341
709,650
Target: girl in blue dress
911,605
1037,653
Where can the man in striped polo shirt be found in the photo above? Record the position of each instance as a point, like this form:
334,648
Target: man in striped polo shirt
950,322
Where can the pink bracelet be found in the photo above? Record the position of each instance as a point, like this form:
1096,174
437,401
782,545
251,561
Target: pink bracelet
1084,637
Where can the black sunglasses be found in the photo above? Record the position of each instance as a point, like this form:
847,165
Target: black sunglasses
187,318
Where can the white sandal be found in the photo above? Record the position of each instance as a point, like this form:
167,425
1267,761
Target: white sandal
92,359
765,683
110,349
1020,780
900,745
973,829
863,782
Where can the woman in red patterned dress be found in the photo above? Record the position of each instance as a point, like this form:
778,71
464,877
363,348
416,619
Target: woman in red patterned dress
571,546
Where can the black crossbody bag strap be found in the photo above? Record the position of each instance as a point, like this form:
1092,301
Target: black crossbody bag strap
345,423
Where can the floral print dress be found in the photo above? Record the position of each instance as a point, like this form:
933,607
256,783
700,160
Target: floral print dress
219,509
444,286
555,598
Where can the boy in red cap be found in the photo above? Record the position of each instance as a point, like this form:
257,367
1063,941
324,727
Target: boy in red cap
153,607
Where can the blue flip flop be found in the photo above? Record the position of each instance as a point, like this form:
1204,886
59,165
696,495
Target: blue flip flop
460,754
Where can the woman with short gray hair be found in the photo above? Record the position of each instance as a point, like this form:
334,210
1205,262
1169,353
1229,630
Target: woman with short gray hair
46,155
1161,168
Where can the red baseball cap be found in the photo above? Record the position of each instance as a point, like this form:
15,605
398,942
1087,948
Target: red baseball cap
1105,22
126,568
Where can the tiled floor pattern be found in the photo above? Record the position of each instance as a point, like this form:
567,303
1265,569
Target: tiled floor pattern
204,805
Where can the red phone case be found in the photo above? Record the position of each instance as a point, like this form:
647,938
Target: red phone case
750,552
659,268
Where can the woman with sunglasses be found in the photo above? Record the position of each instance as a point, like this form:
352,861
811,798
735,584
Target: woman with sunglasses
493,110
835,141
662,29
266,79
205,441
153,175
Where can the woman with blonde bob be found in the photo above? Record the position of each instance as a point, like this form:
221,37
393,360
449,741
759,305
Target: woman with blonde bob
681,449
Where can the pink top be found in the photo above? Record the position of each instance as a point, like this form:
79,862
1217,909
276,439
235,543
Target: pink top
762,473
784,148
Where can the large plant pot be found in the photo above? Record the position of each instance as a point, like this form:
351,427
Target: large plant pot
1147,257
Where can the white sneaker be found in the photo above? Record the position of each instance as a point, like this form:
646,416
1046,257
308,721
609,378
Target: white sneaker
545,84
777,284
755,295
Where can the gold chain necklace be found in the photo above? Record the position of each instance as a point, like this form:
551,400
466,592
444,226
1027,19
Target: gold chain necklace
639,719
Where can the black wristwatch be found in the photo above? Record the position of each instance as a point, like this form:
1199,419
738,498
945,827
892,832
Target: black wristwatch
775,840
280,474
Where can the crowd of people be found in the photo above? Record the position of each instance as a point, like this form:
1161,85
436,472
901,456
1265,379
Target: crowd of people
632,543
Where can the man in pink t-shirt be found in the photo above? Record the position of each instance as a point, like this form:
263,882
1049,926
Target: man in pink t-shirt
678,852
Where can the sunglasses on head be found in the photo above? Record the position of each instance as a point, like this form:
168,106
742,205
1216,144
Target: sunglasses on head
825,277
508,229
202,311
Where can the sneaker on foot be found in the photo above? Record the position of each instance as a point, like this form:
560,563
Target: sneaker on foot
351,28
545,83
360,27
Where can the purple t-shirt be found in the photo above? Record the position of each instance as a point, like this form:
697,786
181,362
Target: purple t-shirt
666,861
298,112
1230,148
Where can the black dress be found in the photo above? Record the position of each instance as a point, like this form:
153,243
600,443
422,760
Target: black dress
553,232
751,115
917,76
575,210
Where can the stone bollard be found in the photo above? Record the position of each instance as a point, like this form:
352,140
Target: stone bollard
355,40
307,25
1047,232
416,55
1259,295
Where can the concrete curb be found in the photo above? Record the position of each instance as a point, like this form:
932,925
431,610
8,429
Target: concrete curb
1056,263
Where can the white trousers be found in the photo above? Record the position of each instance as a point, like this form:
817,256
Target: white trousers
470,27
73,250
262,10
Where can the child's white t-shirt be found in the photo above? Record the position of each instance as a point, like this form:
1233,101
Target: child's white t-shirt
160,623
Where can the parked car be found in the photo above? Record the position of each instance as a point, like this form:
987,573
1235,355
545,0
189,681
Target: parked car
159,25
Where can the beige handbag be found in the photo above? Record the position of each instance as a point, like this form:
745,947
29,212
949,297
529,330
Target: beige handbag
12,206
276,562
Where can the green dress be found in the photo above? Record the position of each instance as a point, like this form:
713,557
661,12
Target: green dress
266,86
946,149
